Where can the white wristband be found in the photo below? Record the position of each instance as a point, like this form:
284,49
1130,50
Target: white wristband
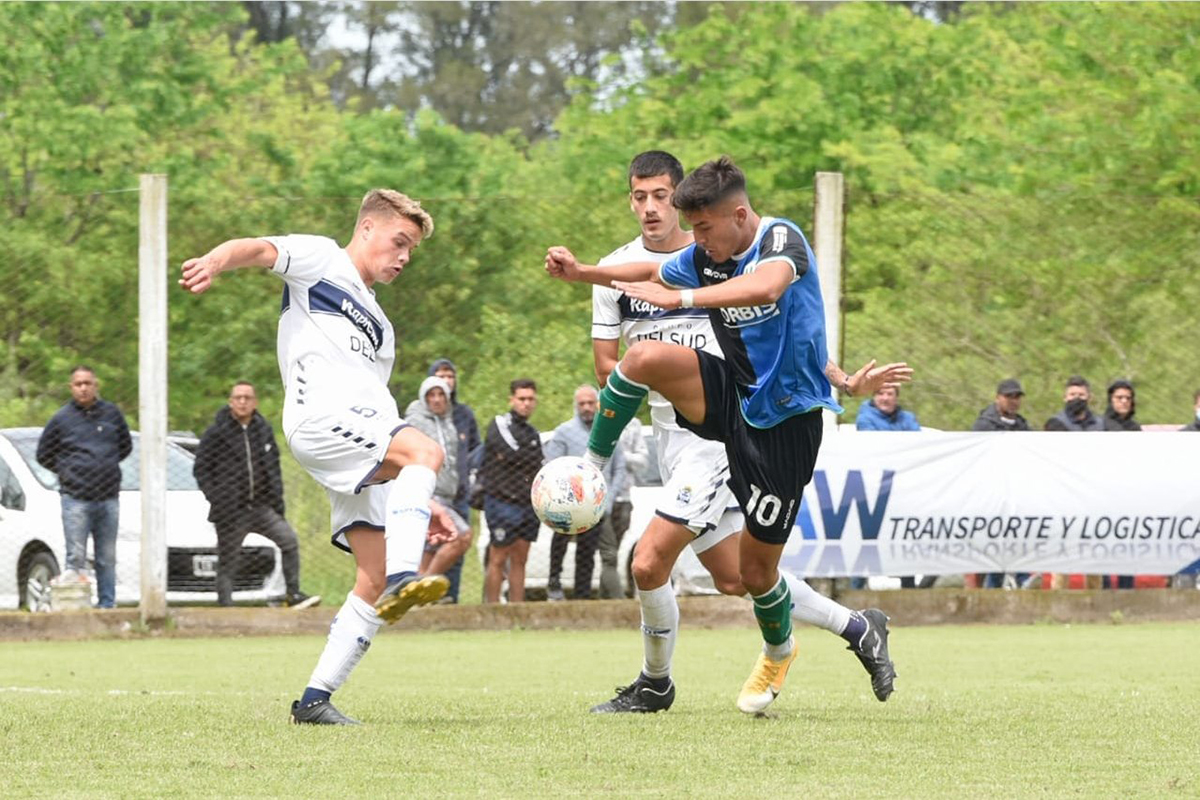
686,299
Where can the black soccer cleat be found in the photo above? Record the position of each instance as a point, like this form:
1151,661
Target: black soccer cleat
872,653
319,712
643,696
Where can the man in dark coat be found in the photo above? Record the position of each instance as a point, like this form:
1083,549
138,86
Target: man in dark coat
1076,415
1122,406
237,467
1004,414
1194,425
512,456
84,444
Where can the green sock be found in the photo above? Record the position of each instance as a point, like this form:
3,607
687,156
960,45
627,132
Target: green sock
774,613
619,403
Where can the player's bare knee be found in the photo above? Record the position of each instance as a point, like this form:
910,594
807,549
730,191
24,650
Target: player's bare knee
427,453
370,587
648,570
637,360
729,584
758,578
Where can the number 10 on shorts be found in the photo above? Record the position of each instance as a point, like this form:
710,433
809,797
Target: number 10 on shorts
764,508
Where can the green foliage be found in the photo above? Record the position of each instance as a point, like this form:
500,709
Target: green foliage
1022,184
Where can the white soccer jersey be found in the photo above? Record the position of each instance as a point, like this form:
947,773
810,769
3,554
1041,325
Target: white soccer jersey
336,346
615,316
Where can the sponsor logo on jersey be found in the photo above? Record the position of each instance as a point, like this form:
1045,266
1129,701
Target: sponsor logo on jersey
716,275
641,310
326,298
746,316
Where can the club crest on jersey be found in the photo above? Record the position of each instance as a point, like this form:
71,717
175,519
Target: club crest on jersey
746,316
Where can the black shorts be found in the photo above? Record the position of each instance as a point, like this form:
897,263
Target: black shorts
768,467
508,522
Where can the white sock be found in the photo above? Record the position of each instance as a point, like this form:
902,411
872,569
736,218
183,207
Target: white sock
778,652
660,626
407,522
349,639
809,605
596,460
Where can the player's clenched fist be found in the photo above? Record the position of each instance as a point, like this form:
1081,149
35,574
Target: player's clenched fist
198,273
561,263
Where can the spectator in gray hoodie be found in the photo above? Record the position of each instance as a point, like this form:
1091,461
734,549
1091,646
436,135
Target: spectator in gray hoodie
570,439
469,442
432,415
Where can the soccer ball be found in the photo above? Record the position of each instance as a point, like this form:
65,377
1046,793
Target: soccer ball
568,495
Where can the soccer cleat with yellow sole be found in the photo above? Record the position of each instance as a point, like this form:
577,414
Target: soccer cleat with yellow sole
408,592
765,682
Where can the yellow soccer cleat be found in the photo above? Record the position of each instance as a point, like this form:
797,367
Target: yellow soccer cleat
765,682
410,591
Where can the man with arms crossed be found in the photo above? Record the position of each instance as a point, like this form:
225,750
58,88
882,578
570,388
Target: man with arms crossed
336,348
699,507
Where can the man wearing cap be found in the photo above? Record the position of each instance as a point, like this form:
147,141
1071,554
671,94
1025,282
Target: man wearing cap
1004,414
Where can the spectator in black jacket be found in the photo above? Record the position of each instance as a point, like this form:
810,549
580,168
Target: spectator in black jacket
84,443
512,456
1122,406
237,467
1076,415
468,441
1194,425
1004,414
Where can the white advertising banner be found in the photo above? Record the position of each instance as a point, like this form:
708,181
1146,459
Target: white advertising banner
943,503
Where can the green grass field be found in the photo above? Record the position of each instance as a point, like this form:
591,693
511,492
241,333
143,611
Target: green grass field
1031,711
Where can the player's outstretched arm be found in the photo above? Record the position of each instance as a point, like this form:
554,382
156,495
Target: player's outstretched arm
869,378
763,286
198,273
561,263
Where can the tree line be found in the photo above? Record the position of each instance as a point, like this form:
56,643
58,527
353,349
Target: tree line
1022,179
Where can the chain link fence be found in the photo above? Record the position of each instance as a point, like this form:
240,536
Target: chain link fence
969,288
972,289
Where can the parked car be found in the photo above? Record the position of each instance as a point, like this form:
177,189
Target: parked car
688,577
33,552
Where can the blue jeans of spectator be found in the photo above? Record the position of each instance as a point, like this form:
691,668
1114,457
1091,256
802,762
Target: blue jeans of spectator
454,573
98,518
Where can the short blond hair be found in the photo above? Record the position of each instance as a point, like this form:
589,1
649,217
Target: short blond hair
389,202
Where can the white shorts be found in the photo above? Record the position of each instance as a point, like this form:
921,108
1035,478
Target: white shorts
696,491
366,509
342,451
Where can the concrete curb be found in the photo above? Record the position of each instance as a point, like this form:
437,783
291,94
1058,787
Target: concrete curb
910,607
